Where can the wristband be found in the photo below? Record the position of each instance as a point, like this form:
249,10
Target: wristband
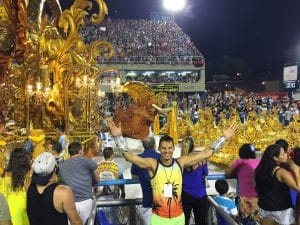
218,144
120,143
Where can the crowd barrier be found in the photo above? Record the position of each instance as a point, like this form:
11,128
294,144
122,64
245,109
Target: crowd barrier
126,211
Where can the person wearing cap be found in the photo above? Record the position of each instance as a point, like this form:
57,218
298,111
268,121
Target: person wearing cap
78,173
48,202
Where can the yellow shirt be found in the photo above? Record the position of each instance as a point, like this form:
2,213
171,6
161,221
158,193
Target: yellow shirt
38,149
17,201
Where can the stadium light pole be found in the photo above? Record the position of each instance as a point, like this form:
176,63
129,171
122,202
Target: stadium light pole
174,5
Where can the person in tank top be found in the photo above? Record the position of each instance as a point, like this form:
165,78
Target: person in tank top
48,202
166,173
273,184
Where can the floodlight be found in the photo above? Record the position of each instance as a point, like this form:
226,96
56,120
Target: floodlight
174,5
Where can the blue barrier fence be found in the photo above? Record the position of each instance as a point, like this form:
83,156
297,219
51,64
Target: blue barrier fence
129,207
136,181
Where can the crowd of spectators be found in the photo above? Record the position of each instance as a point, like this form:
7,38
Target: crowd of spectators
153,41
156,78
218,103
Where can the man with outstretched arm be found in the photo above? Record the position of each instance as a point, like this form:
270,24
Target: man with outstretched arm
166,173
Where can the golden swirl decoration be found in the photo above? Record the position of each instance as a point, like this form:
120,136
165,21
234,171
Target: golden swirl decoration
100,48
98,18
68,56
71,19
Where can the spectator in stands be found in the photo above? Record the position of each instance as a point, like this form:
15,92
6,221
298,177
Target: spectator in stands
143,175
223,201
79,173
166,173
273,185
244,168
193,187
146,41
47,201
14,185
5,218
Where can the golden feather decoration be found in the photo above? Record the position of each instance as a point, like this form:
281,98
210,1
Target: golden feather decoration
141,93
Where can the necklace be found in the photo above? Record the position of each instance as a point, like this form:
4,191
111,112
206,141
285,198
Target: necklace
168,180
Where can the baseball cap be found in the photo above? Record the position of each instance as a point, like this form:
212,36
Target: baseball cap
43,167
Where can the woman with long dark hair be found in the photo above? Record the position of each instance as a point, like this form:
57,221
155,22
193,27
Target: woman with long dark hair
194,195
273,185
14,184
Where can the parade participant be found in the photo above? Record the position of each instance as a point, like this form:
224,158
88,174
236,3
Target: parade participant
37,137
48,202
78,173
166,173
138,118
143,175
193,188
62,139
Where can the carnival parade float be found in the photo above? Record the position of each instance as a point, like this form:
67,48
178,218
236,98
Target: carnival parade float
50,76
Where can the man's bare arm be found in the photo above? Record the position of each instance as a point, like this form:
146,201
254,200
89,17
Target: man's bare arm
96,176
144,163
190,160
65,196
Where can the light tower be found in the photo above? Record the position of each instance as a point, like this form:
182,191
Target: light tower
174,5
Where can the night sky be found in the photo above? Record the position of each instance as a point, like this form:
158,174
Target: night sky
262,32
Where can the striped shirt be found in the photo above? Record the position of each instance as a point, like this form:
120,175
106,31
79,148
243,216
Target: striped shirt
77,173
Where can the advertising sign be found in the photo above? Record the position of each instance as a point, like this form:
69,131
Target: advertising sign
290,73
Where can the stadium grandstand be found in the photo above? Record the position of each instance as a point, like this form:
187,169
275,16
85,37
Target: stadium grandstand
154,51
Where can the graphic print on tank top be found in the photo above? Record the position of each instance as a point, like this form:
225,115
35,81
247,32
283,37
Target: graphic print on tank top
167,187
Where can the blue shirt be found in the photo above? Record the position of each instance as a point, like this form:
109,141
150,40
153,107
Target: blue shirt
228,205
145,178
194,181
